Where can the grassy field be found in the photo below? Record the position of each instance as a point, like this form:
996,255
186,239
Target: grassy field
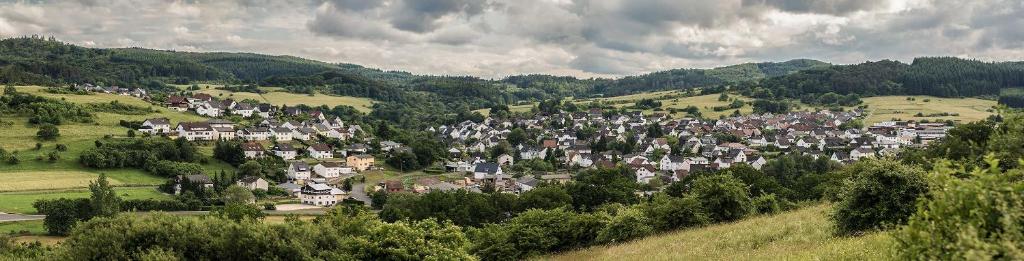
887,108
804,234
21,202
279,96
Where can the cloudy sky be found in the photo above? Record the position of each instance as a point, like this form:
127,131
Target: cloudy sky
495,38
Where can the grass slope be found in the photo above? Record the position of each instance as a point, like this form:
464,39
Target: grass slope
278,96
804,234
44,178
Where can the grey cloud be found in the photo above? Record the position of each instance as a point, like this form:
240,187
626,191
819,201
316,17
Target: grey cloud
421,15
357,5
820,6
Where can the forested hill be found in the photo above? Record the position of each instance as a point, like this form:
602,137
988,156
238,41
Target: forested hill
38,61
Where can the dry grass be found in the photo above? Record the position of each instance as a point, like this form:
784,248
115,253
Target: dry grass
804,234
285,98
887,108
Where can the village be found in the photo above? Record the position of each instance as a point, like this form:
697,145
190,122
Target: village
658,149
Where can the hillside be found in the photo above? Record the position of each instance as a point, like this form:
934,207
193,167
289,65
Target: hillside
804,234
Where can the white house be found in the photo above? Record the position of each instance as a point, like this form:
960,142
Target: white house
253,183
285,151
320,151
252,150
281,134
321,195
331,169
298,170
484,171
156,125
861,152
505,160
195,131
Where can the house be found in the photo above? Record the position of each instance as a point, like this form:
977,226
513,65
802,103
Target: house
360,162
193,131
253,183
254,133
192,181
644,173
155,126
244,109
526,183
485,171
392,186
505,160
210,109
281,134
861,152
177,103
672,162
318,194
331,169
252,150
320,151
389,145
298,170
285,151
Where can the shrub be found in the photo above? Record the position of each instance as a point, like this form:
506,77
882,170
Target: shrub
725,197
767,204
669,213
48,132
154,205
535,232
880,192
62,214
963,219
62,147
628,224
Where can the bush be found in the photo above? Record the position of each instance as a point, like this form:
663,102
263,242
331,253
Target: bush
628,224
535,232
767,204
62,214
725,197
880,192
669,213
963,219
48,132
154,205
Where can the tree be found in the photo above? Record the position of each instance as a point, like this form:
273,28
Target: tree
725,197
669,213
544,197
239,211
592,188
627,224
881,192
966,218
250,168
103,200
517,136
237,195
1006,141
48,132
62,214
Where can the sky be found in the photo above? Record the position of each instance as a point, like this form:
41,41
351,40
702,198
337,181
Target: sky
497,38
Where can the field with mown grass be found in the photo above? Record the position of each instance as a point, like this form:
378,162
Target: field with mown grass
803,234
21,202
886,108
278,96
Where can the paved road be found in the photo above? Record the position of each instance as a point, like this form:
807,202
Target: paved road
4,217
359,193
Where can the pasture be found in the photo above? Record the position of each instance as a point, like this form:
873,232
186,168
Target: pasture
21,202
803,234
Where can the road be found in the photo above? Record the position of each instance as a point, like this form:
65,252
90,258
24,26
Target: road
359,193
4,217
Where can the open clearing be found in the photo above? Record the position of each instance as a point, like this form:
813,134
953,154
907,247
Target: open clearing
886,108
21,202
278,96
804,234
